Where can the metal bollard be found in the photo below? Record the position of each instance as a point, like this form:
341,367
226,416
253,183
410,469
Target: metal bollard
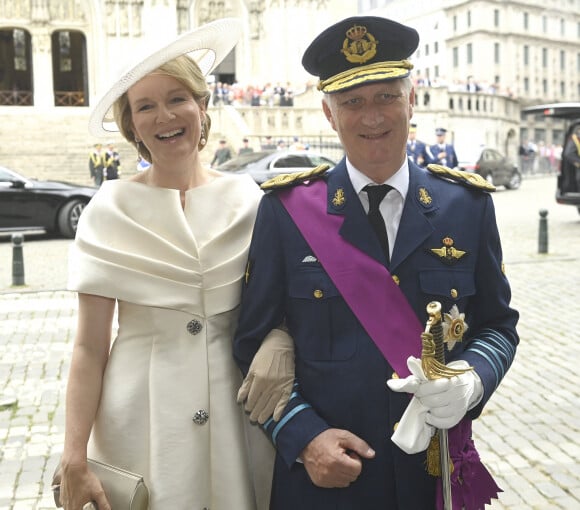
17,260
543,232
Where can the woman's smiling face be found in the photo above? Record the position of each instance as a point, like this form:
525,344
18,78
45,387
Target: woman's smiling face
166,117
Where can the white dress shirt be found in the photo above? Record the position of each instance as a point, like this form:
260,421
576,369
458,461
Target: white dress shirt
392,205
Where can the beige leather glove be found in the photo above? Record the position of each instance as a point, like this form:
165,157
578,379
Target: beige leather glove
268,385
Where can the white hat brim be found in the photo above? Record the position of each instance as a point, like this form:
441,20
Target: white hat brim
208,45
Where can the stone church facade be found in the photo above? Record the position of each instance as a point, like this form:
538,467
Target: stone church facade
58,56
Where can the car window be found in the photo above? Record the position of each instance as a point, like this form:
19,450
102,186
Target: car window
292,161
316,160
243,160
5,176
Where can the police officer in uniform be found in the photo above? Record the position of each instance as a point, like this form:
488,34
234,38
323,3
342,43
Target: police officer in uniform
442,153
97,163
354,297
416,149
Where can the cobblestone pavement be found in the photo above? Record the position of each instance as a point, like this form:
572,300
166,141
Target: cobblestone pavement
528,436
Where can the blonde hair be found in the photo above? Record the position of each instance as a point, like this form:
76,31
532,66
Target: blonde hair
186,71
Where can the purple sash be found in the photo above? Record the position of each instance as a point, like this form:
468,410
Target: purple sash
385,313
383,310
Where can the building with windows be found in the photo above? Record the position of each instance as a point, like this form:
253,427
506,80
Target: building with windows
477,64
527,50
58,56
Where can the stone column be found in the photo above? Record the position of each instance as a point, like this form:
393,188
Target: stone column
42,79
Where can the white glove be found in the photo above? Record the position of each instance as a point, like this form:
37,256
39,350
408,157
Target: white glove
440,403
448,400
413,434
268,385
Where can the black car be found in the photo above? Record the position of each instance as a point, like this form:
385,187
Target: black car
30,204
493,166
568,182
264,165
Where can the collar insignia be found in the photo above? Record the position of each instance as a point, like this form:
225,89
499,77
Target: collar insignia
424,197
359,45
448,254
338,199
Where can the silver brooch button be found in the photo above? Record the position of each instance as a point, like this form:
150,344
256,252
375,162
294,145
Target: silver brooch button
194,326
201,417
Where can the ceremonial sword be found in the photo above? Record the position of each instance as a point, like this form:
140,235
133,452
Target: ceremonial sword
433,364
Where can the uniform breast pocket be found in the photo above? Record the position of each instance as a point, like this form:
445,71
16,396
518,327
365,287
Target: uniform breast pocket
323,326
447,286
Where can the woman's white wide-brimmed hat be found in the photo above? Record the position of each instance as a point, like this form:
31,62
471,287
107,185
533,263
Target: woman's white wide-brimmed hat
208,45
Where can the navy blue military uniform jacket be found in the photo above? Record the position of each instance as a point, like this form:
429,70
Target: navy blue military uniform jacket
450,159
340,373
417,151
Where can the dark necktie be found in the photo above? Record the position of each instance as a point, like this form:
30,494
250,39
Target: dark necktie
376,195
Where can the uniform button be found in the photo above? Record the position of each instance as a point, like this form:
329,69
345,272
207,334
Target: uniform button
201,417
318,293
395,426
396,279
194,327
394,375
453,293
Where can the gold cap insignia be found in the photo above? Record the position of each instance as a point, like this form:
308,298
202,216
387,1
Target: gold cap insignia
424,197
360,45
338,199
448,254
286,180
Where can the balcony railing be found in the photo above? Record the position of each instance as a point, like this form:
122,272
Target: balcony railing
66,98
16,98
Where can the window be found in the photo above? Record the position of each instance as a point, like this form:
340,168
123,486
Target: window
526,55
526,21
455,57
563,89
562,60
426,50
436,47
562,27
469,53
496,17
527,84
454,23
468,18
544,24
496,53
544,57
545,86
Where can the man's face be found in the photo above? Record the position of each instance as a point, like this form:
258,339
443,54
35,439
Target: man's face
372,122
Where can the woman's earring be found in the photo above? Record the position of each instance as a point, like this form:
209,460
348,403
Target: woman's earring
202,141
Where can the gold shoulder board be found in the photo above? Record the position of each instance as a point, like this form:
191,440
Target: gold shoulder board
286,180
467,178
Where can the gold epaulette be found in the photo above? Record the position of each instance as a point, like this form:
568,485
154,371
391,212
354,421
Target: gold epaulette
466,178
286,180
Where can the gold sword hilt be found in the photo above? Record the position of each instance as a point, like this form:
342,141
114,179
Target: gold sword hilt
433,347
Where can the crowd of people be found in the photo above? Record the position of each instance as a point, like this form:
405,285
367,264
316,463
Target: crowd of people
269,94
539,157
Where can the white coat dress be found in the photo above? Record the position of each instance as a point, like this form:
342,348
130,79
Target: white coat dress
168,407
